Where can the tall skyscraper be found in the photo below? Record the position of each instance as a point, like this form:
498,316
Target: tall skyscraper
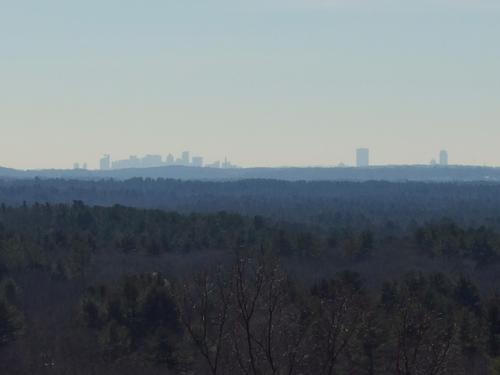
362,157
105,163
170,159
185,158
443,158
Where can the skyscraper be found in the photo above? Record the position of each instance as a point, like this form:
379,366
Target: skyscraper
105,163
362,157
170,159
443,158
185,158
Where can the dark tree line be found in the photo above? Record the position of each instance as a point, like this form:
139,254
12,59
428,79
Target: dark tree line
319,203
65,238
117,290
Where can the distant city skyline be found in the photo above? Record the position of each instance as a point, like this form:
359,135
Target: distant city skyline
154,159
362,160
157,160
267,82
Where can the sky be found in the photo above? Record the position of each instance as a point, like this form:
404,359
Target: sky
263,82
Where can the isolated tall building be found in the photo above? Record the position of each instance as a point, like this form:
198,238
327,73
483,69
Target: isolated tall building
443,158
362,157
105,163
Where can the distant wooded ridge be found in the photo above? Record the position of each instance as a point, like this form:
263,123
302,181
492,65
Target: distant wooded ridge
324,203
381,173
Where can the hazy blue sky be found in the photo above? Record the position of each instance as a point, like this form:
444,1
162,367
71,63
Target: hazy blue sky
265,82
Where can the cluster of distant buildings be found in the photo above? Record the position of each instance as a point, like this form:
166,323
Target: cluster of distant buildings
363,158
80,166
149,161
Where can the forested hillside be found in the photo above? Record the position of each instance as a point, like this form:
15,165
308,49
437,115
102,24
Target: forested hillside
319,203
117,290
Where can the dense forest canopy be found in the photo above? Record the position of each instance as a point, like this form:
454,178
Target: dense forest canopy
249,277
321,203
